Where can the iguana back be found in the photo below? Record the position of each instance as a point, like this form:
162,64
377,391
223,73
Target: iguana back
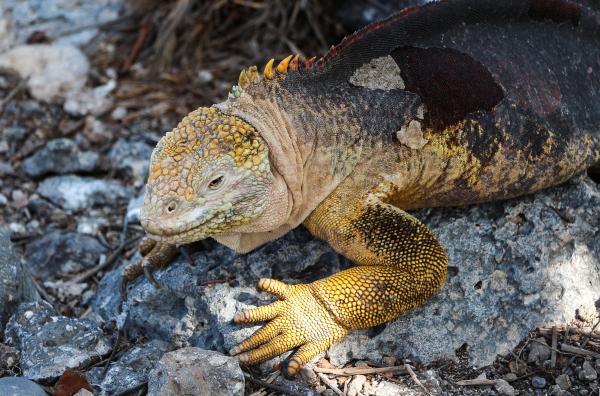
502,97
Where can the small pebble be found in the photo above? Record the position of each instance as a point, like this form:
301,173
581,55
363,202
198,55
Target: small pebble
563,381
389,361
538,382
362,364
587,373
17,228
3,200
504,388
19,199
556,391
118,113
510,377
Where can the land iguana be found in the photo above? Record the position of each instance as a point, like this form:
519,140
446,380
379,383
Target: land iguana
449,103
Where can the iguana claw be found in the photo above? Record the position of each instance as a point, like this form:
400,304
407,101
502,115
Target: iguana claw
155,255
298,320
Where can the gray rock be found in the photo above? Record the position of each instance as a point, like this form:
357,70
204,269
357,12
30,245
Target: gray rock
19,386
191,309
61,252
131,369
133,208
563,381
16,285
505,279
356,385
131,158
386,388
504,388
64,21
539,351
538,382
194,371
6,169
50,343
95,101
75,193
588,373
60,156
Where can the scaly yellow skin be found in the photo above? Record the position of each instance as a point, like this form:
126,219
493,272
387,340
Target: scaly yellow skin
400,264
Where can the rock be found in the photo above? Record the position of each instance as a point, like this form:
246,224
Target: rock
191,309
90,225
194,371
64,21
83,392
504,388
75,193
538,382
19,199
131,369
537,280
52,71
510,377
62,252
19,386
60,156
556,391
94,101
7,34
50,343
133,208
6,169
3,200
385,388
9,357
563,381
97,131
356,384
542,259
588,373
539,351
131,158
16,285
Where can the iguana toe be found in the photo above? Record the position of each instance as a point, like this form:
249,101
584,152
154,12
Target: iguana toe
298,320
155,255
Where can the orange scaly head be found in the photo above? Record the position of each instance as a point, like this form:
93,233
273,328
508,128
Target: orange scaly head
209,174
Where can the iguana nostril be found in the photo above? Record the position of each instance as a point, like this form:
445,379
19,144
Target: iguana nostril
171,206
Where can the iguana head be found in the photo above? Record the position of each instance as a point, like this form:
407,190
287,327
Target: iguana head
208,175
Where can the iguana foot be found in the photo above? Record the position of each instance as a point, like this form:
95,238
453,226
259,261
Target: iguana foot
297,321
155,255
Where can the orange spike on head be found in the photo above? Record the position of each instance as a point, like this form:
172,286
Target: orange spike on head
294,63
283,65
268,72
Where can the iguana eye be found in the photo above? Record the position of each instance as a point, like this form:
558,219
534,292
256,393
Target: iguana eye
216,183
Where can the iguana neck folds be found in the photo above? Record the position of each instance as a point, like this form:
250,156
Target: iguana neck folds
301,182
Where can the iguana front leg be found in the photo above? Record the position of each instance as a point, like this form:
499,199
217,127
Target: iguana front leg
154,255
400,264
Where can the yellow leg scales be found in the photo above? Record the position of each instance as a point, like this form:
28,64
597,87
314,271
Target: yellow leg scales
400,264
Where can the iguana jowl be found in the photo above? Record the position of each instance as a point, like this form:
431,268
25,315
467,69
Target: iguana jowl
450,103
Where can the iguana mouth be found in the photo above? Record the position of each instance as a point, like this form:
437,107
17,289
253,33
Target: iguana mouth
195,232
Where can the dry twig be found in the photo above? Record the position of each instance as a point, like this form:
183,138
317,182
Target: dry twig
330,384
359,370
412,374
